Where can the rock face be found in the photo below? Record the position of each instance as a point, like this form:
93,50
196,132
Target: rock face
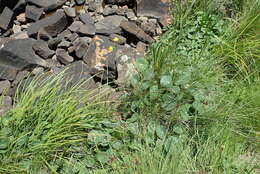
53,24
96,41
5,18
152,8
19,54
48,5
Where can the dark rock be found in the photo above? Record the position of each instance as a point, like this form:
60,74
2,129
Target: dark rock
117,39
33,13
110,25
4,86
5,104
64,44
54,42
133,29
87,29
165,20
100,57
53,24
19,54
7,73
80,46
42,49
48,5
149,27
80,2
78,74
6,18
121,2
141,47
74,27
152,8
71,12
109,10
19,6
20,76
86,18
63,56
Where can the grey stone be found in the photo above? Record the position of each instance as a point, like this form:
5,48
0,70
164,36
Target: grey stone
33,13
110,25
16,28
48,5
86,18
153,8
6,18
80,2
63,56
20,76
53,24
87,29
4,86
136,31
5,104
74,27
109,10
7,73
42,49
80,46
71,12
64,44
19,54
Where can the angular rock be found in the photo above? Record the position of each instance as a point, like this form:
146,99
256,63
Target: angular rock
165,20
6,18
74,27
80,46
48,5
136,31
78,74
20,35
110,25
7,73
64,44
20,76
42,49
53,24
33,13
87,29
71,12
4,86
21,18
141,47
100,57
63,56
19,54
152,8
109,11
86,18
80,2
5,104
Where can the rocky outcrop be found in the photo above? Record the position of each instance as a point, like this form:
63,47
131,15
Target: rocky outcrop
95,40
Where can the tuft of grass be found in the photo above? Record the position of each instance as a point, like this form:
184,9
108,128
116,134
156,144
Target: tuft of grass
48,121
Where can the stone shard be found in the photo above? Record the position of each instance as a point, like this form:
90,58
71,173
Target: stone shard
86,18
63,56
80,46
77,73
110,25
7,73
33,13
100,57
71,12
5,104
19,54
53,24
136,31
4,86
152,8
48,5
6,18
41,48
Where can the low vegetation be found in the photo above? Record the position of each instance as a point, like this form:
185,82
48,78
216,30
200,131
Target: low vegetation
193,106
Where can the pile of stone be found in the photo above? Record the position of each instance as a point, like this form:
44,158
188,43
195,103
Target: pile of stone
88,38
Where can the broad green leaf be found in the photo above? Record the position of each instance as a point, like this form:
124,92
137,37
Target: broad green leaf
166,81
102,157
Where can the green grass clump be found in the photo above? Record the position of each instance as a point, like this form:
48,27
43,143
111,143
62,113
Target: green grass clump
49,123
